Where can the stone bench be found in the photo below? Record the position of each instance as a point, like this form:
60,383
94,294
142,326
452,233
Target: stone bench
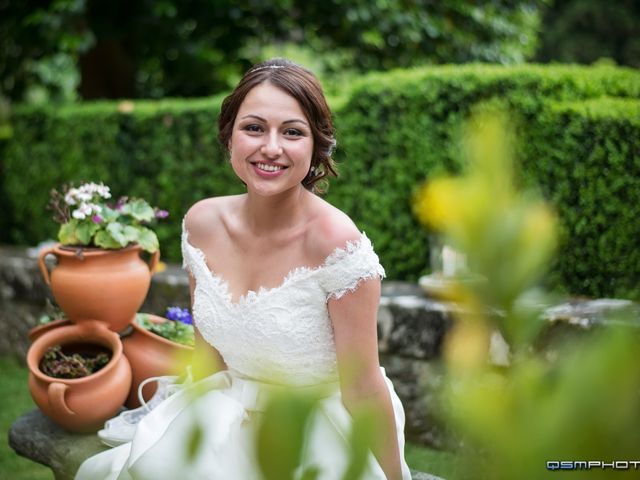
37,438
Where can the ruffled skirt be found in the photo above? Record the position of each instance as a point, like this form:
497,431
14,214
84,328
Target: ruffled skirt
211,435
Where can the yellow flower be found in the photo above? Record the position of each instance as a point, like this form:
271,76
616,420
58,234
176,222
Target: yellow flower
439,203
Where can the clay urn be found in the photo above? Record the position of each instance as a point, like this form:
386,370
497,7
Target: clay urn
151,355
80,404
99,284
39,330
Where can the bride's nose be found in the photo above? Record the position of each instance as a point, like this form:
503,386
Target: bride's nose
271,148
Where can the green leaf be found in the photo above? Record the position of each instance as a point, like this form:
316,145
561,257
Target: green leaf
116,230
105,240
364,429
194,441
131,233
109,215
67,233
281,434
147,239
140,210
86,230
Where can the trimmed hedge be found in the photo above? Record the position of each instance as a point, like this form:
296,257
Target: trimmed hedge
395,129
166,152
400,128
586,156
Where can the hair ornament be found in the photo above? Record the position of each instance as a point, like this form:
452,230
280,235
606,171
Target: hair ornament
273,67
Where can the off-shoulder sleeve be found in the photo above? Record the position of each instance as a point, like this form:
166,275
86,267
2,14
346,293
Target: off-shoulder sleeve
192,258
347,267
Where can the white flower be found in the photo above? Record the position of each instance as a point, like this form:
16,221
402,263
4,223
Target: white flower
84,196
104,192
82,211
69,198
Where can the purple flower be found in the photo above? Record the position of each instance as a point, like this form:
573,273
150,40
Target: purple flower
96,219
162,214
120,203
178,314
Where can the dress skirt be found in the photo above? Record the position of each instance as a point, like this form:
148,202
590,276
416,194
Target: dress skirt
207,431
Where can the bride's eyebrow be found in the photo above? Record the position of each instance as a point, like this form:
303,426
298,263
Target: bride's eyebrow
293,120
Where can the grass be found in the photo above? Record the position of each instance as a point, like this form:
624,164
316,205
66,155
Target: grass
16,400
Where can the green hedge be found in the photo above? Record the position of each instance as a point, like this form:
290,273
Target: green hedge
165,152
400,128
395,129
586,156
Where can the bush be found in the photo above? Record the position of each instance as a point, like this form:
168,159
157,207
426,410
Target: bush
586,156
395,130
401,128
165,152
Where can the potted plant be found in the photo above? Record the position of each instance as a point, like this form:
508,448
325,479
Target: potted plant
74,361
100,274
78,375
157,346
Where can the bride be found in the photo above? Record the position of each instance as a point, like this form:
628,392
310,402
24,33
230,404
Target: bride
285,291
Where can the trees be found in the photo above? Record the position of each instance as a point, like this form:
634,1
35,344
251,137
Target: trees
156,48
583,31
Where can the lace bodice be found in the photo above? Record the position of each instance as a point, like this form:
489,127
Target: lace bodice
281,334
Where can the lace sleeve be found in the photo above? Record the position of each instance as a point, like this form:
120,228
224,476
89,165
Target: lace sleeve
191,261
347,267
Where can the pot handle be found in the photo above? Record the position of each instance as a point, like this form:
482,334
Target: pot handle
153,263
43,266
57,402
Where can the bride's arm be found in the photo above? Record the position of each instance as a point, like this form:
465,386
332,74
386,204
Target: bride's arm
354,318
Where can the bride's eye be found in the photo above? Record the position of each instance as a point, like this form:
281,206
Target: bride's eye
293,132
253,128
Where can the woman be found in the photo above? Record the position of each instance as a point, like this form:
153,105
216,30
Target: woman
285,291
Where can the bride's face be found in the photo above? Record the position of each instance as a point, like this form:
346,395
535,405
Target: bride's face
271,142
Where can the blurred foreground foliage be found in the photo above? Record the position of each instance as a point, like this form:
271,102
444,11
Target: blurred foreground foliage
580,403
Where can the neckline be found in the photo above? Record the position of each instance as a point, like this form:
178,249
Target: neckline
251,296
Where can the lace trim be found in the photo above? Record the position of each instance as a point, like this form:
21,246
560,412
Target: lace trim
337,294
336,257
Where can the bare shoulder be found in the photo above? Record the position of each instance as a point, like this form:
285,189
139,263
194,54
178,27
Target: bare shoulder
204,218
332,229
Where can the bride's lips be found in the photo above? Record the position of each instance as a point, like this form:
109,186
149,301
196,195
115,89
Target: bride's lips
268,173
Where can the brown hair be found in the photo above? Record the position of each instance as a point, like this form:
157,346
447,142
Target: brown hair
302,85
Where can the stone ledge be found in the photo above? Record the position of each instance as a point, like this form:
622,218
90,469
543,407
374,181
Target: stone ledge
37,438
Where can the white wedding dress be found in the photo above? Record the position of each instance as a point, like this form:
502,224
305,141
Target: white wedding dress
277,336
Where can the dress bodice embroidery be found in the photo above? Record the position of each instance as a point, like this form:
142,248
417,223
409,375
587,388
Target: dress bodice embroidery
281,334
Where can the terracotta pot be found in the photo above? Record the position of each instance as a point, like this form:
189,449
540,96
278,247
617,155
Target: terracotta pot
151,355
39,330
104,285
80,404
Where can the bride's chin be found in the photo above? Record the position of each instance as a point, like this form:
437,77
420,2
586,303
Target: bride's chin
270,190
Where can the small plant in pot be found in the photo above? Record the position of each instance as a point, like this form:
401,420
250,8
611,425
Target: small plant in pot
179,329
157,346
87,219
74,361
78,375
99,273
